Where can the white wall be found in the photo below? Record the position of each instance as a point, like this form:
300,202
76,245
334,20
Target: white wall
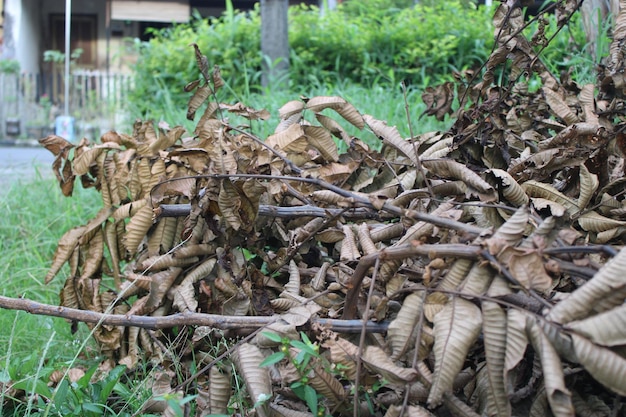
27,46
12,24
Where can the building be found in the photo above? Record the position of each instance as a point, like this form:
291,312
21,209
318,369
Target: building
100,28
103,31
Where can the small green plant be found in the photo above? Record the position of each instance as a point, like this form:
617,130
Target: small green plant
9,66
83,397
302,361
58,57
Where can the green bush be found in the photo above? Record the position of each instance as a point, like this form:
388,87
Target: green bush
9,66
166,62
364,42
367,42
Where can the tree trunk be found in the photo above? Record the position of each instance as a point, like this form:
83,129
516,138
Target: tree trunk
594,14
275,43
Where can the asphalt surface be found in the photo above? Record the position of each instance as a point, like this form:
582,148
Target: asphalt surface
24,163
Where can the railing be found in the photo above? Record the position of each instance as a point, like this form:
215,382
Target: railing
29,103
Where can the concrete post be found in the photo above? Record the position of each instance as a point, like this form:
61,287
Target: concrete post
275,43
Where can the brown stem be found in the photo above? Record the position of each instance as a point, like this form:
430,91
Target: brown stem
400,252
358,200
180,319
182,210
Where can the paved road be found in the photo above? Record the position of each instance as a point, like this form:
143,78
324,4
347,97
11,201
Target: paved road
23,163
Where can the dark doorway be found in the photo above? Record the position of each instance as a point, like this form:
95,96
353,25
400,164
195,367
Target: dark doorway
83,35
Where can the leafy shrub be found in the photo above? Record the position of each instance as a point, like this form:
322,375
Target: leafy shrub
364,42
166,62
367,42
9,66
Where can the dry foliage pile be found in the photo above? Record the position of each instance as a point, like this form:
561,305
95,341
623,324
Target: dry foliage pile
485,261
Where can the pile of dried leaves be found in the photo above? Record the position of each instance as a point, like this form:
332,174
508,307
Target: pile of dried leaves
484,261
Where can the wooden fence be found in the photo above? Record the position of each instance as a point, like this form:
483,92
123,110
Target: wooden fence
29,103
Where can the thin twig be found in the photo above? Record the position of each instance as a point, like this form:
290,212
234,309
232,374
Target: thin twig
414,363
183,210
357,376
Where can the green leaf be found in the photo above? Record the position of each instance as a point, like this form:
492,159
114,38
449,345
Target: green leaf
310,396
272,359
85,380
247,254
61,392
306,339
39,387
94,408
175,406
109,382
274,337
187,399
4,376
304,347
122,390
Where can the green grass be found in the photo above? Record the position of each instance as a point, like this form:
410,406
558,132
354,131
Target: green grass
383,103
35,215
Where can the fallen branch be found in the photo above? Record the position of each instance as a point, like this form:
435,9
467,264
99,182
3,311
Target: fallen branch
182,210
357,200
245,323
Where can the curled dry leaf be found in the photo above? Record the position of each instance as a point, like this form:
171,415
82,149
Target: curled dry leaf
409,411
457,327
391,136
400,331
607,280
605,329
494,331
341,106
377,361
606,366
559,397
247,359
527,268
446,168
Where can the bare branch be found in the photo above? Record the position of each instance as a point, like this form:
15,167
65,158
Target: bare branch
182,210
245,323
358,201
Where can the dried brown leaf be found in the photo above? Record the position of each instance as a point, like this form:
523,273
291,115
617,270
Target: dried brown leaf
247,359
341,106
456,329
607,280
377,361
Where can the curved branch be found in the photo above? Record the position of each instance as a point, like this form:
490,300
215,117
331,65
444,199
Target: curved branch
400,252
